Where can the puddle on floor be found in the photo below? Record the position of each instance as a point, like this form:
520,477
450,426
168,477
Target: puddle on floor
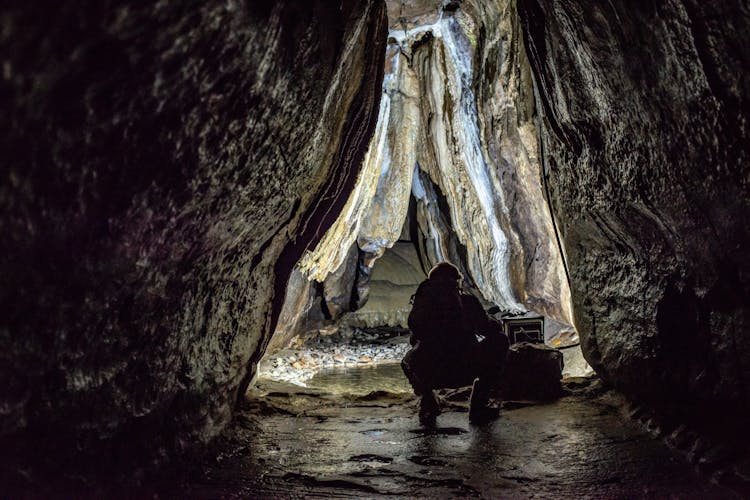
361,380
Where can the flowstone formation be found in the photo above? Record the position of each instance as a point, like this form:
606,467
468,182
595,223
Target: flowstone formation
452,171
164,169
644,127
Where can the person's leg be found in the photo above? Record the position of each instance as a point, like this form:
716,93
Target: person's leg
412,367
489,358
480,410
429,409
493,351
416,366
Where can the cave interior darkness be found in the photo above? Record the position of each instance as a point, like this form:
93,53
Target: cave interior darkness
215,216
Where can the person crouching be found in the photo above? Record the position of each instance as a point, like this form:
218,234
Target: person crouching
454,343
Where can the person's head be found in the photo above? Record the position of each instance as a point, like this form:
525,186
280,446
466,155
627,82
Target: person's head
447,272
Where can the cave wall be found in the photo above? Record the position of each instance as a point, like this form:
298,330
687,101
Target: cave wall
644,110
157,159
507,119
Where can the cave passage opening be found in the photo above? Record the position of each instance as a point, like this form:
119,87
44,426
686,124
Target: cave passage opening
439,183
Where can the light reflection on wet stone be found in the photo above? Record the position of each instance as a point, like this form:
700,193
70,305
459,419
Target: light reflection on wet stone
362,380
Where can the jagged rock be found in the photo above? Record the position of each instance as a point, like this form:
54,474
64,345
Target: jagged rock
506,111
302,312
337,288
408,14
164,168
382,224
362,283
532,372
646,150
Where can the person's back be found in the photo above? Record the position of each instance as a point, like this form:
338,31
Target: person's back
436,319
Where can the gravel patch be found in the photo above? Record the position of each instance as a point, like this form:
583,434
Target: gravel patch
346,347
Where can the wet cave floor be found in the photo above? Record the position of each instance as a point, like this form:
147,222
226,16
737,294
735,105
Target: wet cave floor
354,433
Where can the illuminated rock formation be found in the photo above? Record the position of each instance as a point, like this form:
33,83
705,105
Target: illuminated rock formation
474,181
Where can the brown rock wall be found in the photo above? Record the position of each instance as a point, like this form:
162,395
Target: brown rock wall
646,144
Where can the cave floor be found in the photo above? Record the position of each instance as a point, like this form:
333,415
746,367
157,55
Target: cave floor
295,442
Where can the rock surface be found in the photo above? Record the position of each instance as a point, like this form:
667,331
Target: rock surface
645,138
312,444
506,111
165,169
157,160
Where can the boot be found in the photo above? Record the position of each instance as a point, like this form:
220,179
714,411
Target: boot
480,411
429,409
